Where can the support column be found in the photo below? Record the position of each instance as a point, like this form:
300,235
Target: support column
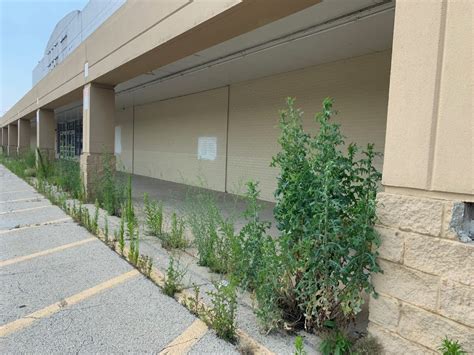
98,134
427,288
23,136
12,145
4,137
45,133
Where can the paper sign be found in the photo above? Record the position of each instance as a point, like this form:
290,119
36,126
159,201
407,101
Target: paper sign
207,148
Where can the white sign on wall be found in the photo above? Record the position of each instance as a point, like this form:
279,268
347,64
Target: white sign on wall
118,140
207,148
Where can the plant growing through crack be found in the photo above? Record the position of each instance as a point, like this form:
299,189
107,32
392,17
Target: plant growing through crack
222,313
154,216
174,277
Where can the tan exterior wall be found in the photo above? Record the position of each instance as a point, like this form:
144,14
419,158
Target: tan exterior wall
430,130
166,132
166,138
358,85
427,288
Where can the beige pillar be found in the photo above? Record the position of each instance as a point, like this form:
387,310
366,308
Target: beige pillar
12,145
4,137
45,133
98,133
427,288
23,136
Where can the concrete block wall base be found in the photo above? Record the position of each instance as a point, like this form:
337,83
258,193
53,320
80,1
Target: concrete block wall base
92,168
427,289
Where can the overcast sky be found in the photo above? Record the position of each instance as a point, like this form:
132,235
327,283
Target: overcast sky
25,29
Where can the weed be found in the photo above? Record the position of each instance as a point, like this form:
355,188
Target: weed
194,304
145,265
173,278
335,343
154,216
106,229
325,211
249,247
111,191
95,221
299,346
121,236
223,311
451,347
175,239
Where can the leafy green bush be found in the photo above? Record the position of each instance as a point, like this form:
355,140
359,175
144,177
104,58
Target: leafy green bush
325,211
154,216
451,347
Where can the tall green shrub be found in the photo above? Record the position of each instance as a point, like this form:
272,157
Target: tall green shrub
325,211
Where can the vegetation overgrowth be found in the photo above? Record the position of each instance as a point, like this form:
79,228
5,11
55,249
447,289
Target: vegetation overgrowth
312,276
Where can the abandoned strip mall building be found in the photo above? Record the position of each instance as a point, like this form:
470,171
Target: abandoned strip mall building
192,88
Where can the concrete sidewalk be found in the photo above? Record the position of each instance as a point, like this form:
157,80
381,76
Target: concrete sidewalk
64,291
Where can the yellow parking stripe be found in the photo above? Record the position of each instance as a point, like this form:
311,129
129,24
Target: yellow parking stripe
69,301
45,252
5,231
26,209
187,339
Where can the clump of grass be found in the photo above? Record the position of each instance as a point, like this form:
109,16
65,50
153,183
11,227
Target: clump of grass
154,216
174,277
176,238
222,313
451,347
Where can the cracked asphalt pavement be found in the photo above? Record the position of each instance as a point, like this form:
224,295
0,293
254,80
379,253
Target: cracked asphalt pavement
64,291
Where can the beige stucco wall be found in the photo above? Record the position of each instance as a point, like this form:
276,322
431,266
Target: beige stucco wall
358,85
166,132
427,288
166,138
430,131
